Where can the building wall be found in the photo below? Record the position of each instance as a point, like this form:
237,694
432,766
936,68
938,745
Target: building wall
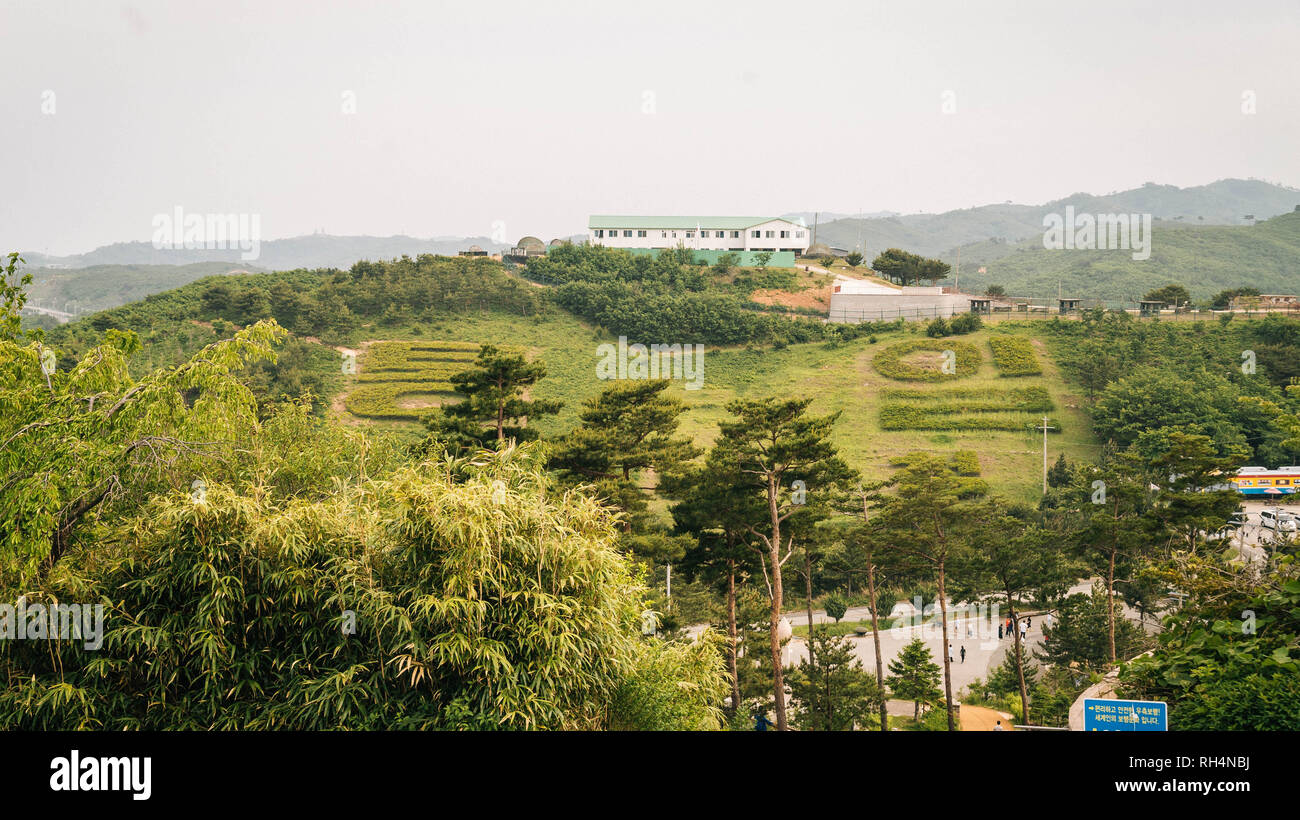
909,303
658,238
779,259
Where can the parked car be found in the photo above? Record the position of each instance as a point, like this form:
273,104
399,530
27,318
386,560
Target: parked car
1277,520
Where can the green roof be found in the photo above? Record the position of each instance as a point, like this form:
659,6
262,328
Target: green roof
679,223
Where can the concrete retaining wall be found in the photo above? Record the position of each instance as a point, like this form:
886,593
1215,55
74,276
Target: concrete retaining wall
908,303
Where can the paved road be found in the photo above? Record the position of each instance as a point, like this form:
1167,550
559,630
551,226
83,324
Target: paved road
1254,540
984,651
984,719
61,316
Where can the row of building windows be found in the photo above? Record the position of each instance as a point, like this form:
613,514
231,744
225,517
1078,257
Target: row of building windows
613,232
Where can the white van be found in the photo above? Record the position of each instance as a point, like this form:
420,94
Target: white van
1278,520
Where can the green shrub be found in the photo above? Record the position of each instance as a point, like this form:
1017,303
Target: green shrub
392,371
1014,356
964,409
380,401
899,416
889,362
965,323
1030,399
966,463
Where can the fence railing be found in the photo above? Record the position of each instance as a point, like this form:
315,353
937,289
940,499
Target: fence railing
1045,311
857,316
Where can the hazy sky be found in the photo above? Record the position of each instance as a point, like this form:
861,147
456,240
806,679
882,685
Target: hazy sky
537,114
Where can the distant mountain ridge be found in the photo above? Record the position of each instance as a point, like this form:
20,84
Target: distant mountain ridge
1005,238
99,287
311,251
1205,259
827,217
1225,202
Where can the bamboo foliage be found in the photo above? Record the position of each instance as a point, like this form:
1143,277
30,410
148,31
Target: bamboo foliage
474,608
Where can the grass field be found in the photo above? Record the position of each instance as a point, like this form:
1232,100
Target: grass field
401,381
843,379
838,378
565,344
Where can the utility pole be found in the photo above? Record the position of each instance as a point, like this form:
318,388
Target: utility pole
1045,428
956,276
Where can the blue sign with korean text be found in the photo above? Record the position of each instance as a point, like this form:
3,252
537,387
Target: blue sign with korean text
1101,715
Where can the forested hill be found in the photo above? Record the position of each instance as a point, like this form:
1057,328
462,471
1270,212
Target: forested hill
336,306
665,297
1205,259
99,287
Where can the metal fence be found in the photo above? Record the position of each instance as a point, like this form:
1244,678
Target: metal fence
1032,311
858,316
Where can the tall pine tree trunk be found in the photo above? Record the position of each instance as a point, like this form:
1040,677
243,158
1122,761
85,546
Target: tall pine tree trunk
732,665
947,667
875,633
807,572
1020,669
774,557
1110,583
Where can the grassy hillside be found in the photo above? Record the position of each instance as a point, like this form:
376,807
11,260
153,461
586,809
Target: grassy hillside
440,300
841,378
566,344
1206,259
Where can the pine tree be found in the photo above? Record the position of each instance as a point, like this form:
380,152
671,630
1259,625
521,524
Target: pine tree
1059,475
773,443
914,676
833,691
1005,680
493,407
717,507
929,526
1012,563
627,429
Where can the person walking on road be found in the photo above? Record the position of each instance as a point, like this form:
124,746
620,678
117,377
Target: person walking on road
963,654
999,632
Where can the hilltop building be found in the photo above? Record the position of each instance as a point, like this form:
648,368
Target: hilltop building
526,248
708,236
860,300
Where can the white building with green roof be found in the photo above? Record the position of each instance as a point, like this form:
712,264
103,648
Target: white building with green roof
713,235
